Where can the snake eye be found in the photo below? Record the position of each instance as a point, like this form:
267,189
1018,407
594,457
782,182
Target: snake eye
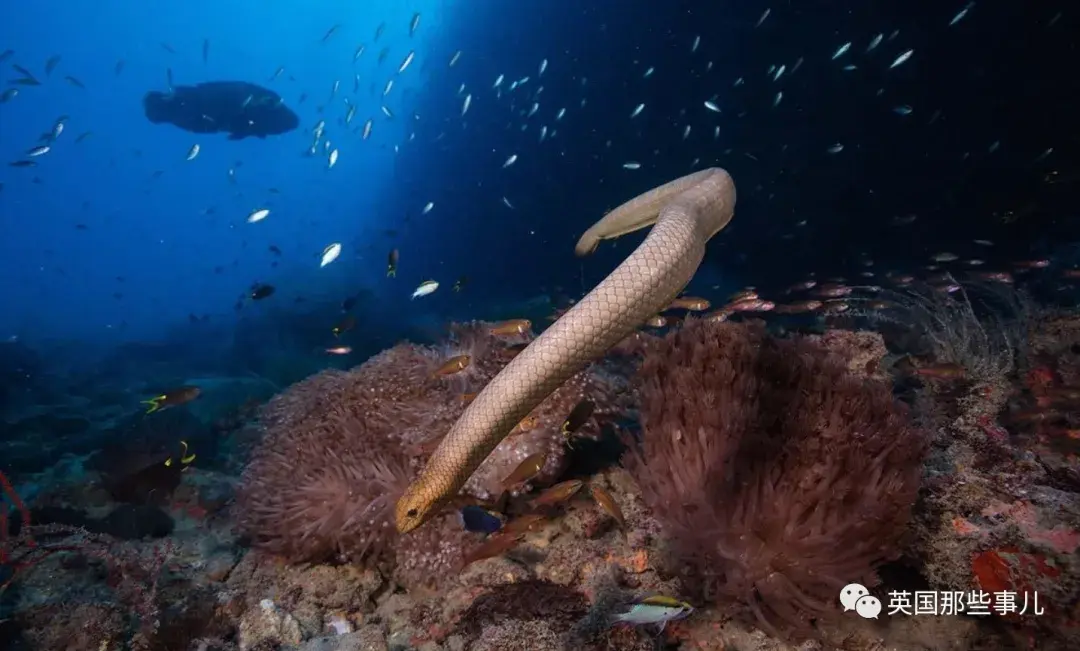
412,513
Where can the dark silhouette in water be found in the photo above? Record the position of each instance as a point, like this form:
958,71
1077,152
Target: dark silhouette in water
235,107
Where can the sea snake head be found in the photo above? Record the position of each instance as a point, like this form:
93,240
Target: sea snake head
421,500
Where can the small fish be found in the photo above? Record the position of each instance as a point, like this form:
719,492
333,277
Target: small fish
941,371
261,291
339,350
560,492
512,327
391,263
778,98
560,114
657,610
330,32
579,415
193,152
427,207
543,67
172,398
74,81
387,111
51,63
455,364
763,17
414,23
960,14
835,149
494,546
205,50
656,321
526,470
510,161
332,160
712,106
405,64
454,59
38,151
607,502
631,165
480,520
696,44
465,104
185,458
346,324
258,215
901,59
874,42
459,284
903,109
367,129
330,253
425,288
8,95
524,523
637,110
22,163
841,51
692,303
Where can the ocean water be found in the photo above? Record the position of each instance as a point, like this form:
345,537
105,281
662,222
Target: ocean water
117,237
867,141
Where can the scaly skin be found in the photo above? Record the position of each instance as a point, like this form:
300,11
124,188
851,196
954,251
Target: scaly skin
686,212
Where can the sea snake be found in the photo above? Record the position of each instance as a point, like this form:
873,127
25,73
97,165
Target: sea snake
686,212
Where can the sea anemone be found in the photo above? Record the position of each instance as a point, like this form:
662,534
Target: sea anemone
339,448
778,475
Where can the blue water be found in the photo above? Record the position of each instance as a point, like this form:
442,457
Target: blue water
117,238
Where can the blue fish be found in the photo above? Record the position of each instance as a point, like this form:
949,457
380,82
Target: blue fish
480,520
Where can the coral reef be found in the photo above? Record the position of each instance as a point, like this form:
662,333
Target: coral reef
769,474
778,475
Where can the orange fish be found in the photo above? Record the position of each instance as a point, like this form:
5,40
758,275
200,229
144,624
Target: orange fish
467,398
718,316
747,294
558,493
692,303
799,308
453,365
339,350
495,545
524,523
526,470
512,327
656,322
607,502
